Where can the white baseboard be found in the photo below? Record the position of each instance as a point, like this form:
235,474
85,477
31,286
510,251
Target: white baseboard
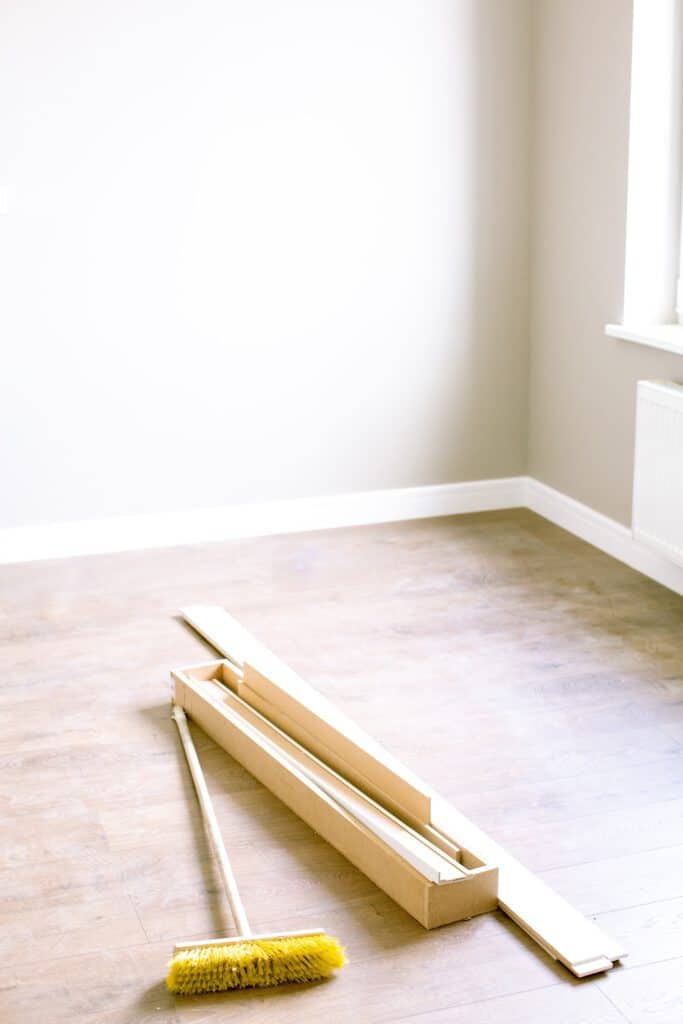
200,525
604,533
260,519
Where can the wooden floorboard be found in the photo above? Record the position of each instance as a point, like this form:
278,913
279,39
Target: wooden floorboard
534,681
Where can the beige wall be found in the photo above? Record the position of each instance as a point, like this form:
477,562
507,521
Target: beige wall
582,384
259,250
287,256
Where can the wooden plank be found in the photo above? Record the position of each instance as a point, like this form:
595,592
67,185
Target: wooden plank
430,904
561,930
555,925
307,716
433,862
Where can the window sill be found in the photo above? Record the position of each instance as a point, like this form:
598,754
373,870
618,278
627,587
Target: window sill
668,337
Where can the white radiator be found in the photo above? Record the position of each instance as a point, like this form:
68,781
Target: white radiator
658,477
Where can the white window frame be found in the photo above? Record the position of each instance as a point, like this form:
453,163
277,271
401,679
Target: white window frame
653,294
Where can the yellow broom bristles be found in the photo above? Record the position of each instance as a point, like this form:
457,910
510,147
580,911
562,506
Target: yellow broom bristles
254,963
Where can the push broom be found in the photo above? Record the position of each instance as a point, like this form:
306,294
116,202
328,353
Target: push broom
245,960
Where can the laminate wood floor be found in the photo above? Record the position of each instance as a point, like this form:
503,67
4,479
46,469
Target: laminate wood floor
534,681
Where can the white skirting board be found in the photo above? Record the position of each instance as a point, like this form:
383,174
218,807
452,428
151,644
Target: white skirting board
256,519
202,525
602,532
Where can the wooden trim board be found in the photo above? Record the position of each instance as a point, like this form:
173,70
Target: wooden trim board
432,904
555,925
433,862
279,693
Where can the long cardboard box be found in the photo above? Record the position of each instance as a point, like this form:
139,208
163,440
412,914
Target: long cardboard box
474,889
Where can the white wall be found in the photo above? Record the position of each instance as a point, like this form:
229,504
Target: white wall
583,384
255,249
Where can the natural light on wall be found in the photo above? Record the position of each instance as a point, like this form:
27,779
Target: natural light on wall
653,297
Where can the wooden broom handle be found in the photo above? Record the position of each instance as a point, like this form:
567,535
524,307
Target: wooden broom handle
211,822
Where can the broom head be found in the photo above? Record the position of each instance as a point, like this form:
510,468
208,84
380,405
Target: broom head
253,962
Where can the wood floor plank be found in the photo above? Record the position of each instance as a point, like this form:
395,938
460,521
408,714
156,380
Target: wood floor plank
657,930
652,994
584,1006
69,927
621,882
116,985
596,836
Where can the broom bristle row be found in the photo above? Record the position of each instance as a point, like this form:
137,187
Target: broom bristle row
254,963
